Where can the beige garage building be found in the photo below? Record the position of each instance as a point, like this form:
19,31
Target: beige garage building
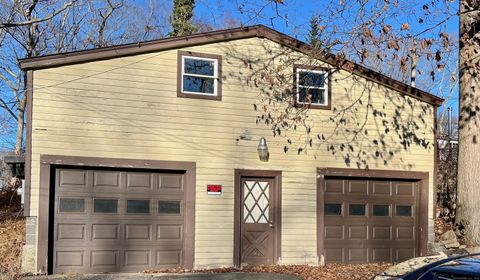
164,154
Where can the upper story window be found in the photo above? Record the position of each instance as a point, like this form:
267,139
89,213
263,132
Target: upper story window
313,87
199,75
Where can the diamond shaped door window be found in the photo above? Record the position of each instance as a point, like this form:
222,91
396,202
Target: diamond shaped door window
256,198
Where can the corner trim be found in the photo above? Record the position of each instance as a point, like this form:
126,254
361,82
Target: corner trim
48,164
28,144
423,193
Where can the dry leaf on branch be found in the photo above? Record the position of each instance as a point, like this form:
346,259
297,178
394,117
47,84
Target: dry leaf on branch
387,28
405,26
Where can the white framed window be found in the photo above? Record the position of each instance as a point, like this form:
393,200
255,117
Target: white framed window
199,75
312,87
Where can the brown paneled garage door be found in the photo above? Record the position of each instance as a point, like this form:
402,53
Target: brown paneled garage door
369,220
110,220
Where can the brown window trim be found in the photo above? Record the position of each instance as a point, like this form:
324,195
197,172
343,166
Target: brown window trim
180,93
329,90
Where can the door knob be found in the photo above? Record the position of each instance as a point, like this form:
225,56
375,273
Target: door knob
270,225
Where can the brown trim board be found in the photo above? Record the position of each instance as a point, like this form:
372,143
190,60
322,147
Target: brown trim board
277,175
422,213
55,60
28,144
180,93
320,219
259,31
49,162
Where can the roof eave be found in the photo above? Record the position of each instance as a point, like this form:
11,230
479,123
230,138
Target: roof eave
259,31
75,57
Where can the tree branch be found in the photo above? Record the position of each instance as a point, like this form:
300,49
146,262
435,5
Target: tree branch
4,105
37,20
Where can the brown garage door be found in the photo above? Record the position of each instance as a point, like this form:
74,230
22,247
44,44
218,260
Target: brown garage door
369,220
110,220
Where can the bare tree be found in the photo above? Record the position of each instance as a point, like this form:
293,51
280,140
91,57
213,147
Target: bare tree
9,21
104,15
23,28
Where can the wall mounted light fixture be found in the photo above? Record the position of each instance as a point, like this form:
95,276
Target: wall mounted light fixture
262,149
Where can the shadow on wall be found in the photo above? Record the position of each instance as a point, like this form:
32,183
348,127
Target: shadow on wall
367,125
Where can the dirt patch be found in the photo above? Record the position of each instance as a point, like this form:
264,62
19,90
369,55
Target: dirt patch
306,272
12,239
12,233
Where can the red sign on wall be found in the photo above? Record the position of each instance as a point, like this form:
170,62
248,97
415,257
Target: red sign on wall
214,189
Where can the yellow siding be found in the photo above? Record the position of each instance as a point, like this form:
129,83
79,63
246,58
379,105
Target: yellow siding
127,108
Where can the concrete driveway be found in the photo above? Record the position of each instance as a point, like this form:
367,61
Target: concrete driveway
162,276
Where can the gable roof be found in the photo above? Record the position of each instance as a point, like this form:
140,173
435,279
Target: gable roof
259,31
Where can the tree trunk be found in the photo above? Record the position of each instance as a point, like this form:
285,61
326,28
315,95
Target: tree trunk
21,117
468,197
21,99
20,126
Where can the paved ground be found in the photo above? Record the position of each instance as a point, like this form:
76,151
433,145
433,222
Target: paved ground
196,276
